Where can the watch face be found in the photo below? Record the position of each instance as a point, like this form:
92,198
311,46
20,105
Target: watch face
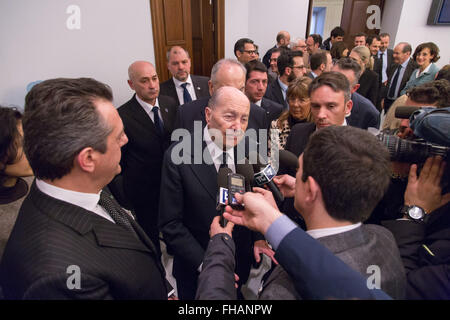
416,213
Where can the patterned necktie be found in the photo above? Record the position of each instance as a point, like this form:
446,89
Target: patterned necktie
393,87
158,123
186,96
115,211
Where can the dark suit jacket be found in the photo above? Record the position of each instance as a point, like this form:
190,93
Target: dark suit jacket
167,88
299,137
364,114
410,67
428,275
359,248
187,208
313,271
369,86
273,109
142,159
50,235
266,58
195,111
275,93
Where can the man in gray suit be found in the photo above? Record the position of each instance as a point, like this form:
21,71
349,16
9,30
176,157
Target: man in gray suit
335,192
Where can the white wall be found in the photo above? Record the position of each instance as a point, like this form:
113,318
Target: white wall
333,14
36,44
261,20
413,28
389,22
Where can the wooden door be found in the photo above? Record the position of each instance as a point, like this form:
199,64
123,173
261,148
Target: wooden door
354,18
196,25
172,26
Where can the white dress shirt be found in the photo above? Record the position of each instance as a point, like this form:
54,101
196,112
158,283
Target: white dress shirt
384,76
216,152
148,109
320,233
180,90
88,201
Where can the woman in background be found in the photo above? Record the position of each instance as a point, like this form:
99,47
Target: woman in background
13,166
299,109
369,80
339,50
426,54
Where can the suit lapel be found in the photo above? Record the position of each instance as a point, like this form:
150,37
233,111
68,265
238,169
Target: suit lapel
173,90
204,172
165,114
197,88
83,221
140,116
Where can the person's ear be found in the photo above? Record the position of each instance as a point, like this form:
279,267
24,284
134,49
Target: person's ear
86,159
355,87
208,112
130,83
312,190
348,107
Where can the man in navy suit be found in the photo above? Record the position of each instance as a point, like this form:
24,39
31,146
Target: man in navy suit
149,119
183,86
364,114
255,89
71,239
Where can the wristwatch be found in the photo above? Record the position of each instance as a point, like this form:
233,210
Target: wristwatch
414,213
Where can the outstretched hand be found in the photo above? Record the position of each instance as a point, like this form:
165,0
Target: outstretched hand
425,191
258,214
286,184
216,228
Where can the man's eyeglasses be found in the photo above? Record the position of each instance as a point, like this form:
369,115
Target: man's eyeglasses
298,67
250,51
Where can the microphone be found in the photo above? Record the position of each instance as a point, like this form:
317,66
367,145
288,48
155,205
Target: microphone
288,160
222,184
265,175
246,169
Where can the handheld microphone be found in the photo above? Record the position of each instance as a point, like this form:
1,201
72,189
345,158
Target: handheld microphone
288,160
265,175
222,184
247,171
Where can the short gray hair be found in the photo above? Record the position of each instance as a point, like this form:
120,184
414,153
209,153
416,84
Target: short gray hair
223,62
60,120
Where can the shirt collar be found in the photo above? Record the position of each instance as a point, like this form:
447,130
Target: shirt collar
314,74
405,64
258,103
282,85
320,233
178,83
147,106
424,71
214,150
86,201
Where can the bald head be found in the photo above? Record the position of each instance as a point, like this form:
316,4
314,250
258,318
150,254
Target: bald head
283,38
227,116
143,79
227,72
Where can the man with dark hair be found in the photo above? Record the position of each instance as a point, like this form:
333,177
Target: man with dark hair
313,43
386,57
273,69
245,50
335,192
360,39
330,100
337,34
149,120
283,40
373,42
398,74
256,81
82,244
290,66
364,114
183,87
320,62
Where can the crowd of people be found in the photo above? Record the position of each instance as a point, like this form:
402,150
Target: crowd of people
110,185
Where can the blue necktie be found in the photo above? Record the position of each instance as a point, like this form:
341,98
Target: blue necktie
158,123
186,96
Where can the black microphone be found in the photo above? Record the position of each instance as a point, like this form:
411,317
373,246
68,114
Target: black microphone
222,182
264,176
405,112
288,160
246,169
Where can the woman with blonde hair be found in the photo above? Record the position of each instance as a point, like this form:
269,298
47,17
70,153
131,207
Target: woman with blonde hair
299,109
369,80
